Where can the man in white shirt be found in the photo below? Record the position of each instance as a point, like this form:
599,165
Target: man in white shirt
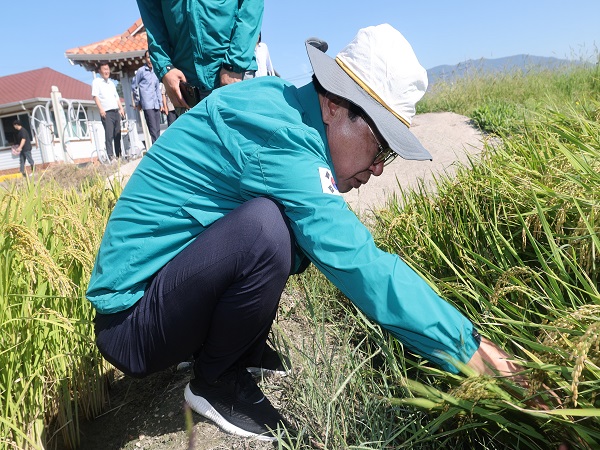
105,95
263,59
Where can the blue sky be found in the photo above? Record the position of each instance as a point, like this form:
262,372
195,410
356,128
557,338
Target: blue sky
36,34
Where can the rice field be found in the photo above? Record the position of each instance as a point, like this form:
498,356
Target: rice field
51,372
513,240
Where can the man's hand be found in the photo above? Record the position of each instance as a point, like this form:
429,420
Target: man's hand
490,359
102,113
227,77
171,81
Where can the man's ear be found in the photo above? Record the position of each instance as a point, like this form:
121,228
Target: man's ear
331,105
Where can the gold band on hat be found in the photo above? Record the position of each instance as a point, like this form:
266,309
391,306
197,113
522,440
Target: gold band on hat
369,91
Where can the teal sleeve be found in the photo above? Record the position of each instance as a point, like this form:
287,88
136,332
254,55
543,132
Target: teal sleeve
158,35
380,284
244,36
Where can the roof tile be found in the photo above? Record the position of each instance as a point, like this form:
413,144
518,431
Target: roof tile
134,39
38,84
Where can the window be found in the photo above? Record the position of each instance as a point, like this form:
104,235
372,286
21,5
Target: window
8,134
77,127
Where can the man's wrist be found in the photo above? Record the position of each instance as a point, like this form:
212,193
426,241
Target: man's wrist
165,70
231,68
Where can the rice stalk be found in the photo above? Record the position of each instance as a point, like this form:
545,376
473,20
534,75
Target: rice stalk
37,259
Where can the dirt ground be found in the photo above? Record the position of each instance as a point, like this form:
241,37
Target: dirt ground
150,414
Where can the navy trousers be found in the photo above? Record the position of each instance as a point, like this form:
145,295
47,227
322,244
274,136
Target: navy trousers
217,299
153,121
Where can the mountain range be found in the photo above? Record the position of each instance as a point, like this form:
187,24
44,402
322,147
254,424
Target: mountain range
523,63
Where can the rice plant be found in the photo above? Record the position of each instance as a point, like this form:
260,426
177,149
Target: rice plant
51,372
513,241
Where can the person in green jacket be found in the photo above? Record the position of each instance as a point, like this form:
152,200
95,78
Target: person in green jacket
244,190
204,44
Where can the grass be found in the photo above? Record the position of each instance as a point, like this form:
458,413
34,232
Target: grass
502,102
512,241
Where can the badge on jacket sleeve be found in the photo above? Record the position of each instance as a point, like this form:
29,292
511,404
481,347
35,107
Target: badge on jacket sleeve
327,181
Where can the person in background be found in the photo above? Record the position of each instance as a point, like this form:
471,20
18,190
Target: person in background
107,100
263,59
206,44
168,108
234,201
23,143
148,97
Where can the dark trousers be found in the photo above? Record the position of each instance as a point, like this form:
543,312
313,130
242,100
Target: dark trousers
112,132
153,121
25,155
217,299
171,117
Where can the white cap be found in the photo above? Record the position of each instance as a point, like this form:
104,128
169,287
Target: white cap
379,72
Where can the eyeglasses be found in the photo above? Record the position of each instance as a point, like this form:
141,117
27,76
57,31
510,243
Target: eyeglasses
385,155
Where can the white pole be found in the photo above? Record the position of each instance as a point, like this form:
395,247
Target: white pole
59,117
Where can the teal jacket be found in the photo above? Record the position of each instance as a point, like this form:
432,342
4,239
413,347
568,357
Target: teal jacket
197,36
264,140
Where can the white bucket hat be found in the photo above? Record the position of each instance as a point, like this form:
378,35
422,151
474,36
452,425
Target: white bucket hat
379,72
